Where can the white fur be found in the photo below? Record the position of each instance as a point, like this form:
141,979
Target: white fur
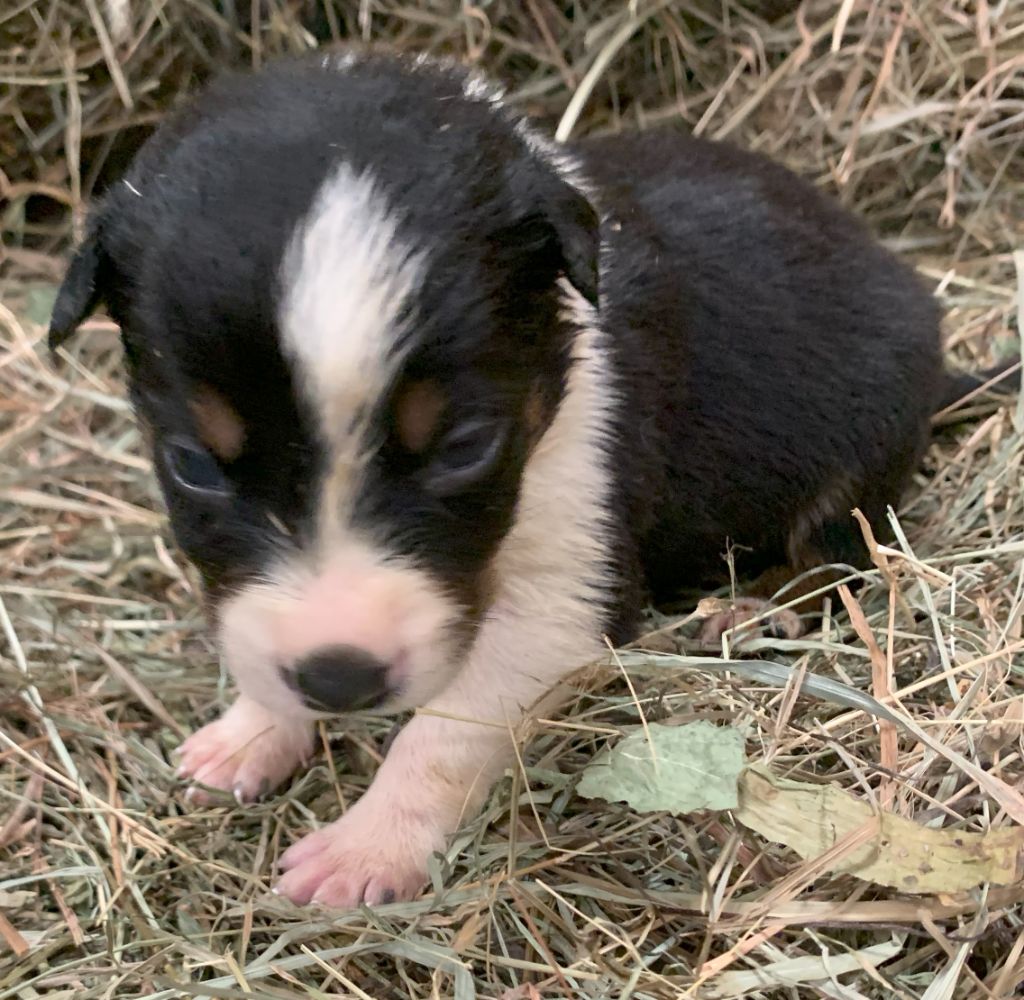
341,61
478,88
553,574
346,276
349,593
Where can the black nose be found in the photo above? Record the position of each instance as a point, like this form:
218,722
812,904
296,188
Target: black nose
339,679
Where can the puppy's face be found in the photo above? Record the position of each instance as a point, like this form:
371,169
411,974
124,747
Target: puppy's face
340,302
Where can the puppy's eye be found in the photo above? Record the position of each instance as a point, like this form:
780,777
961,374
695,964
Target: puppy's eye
465,455
194,468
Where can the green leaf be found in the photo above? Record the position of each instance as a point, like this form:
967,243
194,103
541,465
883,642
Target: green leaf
681,769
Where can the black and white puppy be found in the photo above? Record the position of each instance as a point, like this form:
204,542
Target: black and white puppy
437,406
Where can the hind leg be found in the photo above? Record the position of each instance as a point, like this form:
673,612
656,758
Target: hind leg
750,618
758,614
775,605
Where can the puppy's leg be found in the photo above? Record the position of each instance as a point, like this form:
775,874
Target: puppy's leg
814,541
757,614
439,769
247,751
751,617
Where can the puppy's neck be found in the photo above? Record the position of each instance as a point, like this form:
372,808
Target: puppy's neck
555,561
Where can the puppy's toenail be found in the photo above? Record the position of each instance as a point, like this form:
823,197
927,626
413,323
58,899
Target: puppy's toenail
239,795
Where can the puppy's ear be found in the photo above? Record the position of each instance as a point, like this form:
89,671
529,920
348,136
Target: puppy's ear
556,225
83,289
576,223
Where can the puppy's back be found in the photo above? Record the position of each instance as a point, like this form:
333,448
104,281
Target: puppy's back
780,365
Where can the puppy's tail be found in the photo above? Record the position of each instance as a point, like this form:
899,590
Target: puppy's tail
963,387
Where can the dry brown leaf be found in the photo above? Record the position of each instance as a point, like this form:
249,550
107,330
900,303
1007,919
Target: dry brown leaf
1006,729
811,819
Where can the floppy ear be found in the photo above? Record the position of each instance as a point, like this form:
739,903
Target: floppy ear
575,222
555,218
82,290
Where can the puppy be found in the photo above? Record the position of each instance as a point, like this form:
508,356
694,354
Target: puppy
438,406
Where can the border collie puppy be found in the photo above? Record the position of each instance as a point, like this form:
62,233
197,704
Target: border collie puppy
437,407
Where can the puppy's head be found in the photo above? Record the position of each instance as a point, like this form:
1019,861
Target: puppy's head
339,289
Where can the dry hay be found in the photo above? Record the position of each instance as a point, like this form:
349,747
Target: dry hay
912,113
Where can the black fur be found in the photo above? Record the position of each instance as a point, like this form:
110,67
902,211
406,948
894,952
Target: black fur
775,366
769,349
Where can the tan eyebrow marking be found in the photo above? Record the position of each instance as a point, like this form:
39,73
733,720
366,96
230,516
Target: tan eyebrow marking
218,424
418,409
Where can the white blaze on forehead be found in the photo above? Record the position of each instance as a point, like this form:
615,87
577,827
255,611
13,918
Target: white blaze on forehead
346,278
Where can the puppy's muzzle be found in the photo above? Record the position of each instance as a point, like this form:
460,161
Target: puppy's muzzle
339,679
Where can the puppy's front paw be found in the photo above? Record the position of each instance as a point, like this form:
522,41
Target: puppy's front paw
247,751
780,623
373,854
